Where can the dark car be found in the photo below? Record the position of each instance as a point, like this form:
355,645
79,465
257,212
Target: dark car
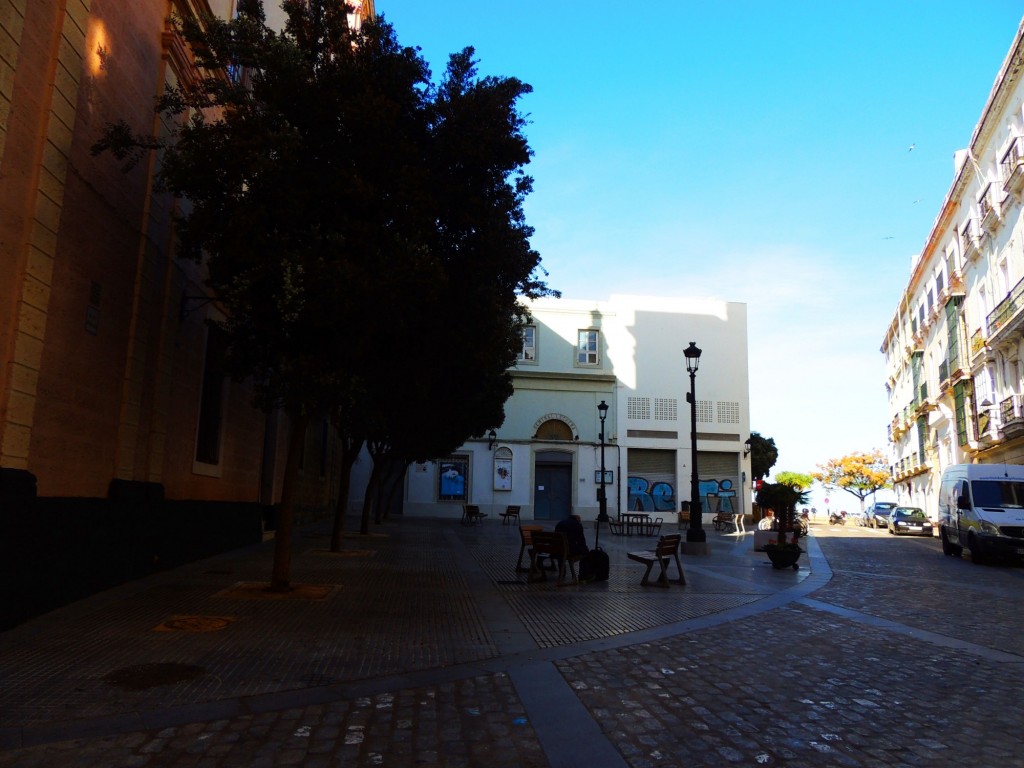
910,520
878,514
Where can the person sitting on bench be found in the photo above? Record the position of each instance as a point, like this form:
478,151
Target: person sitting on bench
576,538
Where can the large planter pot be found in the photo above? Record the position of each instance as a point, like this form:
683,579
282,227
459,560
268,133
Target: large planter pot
783,557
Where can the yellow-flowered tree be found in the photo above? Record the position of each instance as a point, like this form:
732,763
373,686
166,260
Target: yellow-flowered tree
859,474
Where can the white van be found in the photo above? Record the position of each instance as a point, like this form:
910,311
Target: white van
981,507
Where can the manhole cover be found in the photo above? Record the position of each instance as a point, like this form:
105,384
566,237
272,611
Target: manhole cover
195,624
143,676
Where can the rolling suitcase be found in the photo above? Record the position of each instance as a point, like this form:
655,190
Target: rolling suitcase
594,564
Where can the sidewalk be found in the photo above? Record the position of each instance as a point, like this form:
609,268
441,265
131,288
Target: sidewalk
421,604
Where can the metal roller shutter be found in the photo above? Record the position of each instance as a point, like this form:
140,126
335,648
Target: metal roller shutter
719,475
652,480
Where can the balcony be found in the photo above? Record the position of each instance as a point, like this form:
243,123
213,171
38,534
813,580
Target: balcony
970,246
1011,417
1013,168
988,208
908,467
977,343
988,426
1007,312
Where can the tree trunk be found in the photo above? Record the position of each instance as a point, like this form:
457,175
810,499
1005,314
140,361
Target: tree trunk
280,577
350,448
370,497
393,483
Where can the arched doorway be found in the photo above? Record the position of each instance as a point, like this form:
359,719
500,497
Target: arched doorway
552,499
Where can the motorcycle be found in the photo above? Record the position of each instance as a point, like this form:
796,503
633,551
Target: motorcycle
834,518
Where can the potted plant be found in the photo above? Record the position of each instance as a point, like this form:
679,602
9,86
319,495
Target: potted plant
783,500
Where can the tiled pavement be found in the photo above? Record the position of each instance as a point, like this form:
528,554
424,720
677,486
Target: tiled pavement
431,650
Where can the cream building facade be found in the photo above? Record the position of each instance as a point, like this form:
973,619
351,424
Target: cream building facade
628,353
953,349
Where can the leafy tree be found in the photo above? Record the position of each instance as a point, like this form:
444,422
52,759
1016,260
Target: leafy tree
335,198
859,474
763,455
795,480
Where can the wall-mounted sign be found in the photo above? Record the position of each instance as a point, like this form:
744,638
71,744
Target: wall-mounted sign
609,476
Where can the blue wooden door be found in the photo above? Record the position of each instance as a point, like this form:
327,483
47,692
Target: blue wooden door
552,499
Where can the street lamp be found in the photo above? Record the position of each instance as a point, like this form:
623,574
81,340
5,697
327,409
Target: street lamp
602,498
695,532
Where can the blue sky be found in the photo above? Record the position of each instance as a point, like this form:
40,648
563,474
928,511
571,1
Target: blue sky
748,151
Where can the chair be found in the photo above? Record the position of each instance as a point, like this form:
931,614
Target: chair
554,546
511,513
615,526
526,537
471,514
652,527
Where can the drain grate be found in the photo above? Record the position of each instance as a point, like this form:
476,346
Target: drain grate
143,676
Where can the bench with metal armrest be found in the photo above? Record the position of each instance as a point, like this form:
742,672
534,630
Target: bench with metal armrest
471,514
511,513
663,553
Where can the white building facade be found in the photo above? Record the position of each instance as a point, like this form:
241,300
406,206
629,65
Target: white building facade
953,348
628,353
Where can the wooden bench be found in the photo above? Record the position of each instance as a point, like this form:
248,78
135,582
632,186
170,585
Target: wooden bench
511,513
722,519
554,546
471,514
526,538
664,551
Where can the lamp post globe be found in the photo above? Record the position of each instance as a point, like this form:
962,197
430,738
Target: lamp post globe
695,531
602,498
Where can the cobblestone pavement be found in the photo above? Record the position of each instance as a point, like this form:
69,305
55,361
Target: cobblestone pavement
882,652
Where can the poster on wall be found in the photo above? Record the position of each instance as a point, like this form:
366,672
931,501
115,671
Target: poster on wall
453,479
502,474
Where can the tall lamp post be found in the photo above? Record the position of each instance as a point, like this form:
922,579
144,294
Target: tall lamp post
602,499
695,532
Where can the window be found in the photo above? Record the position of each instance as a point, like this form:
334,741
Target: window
588,350
665,409
528,353
728,413
638,408
211,404
959,395
706,411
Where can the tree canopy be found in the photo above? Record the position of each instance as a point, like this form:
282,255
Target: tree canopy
361,226
859,474
797,480
763,455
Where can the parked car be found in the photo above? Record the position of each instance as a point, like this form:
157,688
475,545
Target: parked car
856,517
910,520
878,514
